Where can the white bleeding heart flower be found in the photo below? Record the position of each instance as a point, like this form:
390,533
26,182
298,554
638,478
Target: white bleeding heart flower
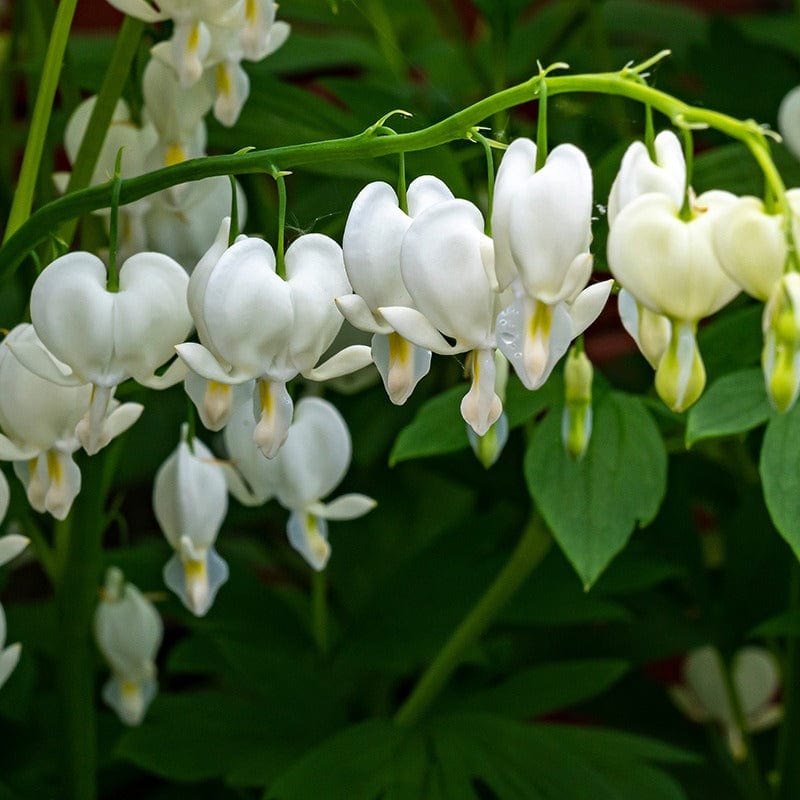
751,244
668,264
128,632
253,324
541,223
190,500
373,237
39,419
191,37
103,337
10,547
447,265
309,466
651,332
704,694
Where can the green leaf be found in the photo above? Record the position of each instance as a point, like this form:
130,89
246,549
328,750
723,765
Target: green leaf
437,428
787,624
593,505
780,476
731,341
548,687
447,758
735,403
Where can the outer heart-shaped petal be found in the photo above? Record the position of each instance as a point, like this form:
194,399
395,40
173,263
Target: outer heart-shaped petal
751,244
315,456
105,336
73,315
151,314
669,264
789,121
638,174
446,260
315,275
550,224
248,310
33,411
374,234
190,496
516,167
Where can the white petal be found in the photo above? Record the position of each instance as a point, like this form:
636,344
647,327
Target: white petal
414,326
703,674
251,477
649,330
315,456
756,677
273,409
233,89
348,506
12,452
8,660
63,482
121,418
315,275
215,401
426,191
550,223
517,165
355,310
196,583
789,121
140,9
346,361
533,336
11,546
401,364
36,359
129,699
481,407
205,363
443,266
588,305
309,536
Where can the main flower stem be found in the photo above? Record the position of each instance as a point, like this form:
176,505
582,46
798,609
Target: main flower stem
370,144
527,555
76,599
54,58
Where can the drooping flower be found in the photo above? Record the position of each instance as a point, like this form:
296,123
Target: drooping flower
106,337
751,244
668,265
447,265
704,694
39,419
309,466
10,547
541,223
253,324
780,357
789,121
190,500
373,237
128,632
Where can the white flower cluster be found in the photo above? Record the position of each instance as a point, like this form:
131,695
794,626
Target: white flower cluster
210,39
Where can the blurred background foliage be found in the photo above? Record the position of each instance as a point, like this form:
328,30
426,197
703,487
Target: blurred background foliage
565,697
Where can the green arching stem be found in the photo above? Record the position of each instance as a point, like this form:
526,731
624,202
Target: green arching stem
487,149
279,254
527,555
688,155
626,83
40,120
110,91
113,278
650,133
234,231
402,197
541,124
789,737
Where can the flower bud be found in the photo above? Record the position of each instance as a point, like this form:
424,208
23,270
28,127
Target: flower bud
576,422
781,355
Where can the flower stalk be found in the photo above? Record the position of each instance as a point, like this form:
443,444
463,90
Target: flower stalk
527,555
